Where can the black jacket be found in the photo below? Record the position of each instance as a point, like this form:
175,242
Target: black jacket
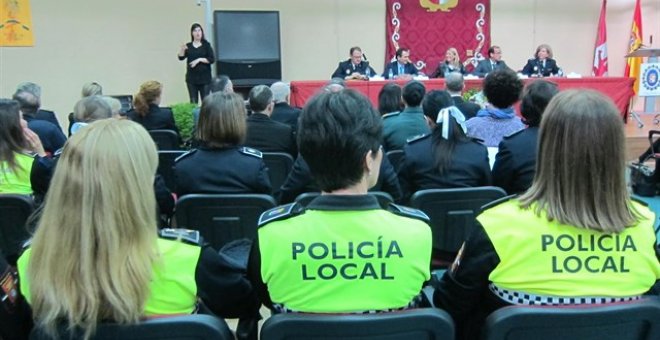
409,68
267,135
468,109
444,68
485,66
346,68
286,114
535,67
48,116
51,136
158,118
515,162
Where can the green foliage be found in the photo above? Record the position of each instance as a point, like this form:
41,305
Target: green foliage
183,118
467,94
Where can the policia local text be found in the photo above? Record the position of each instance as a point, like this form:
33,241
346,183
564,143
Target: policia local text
599,247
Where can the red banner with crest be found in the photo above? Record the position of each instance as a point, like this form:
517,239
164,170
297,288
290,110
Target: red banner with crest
429,27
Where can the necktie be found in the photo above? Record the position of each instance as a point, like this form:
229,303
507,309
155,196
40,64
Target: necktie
400,69
492,66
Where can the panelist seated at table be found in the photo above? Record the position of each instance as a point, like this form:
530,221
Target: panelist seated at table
452,63
401,68
542,65
355,68
490,64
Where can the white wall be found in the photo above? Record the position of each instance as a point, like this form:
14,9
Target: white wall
122,43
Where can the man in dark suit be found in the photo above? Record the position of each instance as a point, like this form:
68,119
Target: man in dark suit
283,112
41,114
355,68
401,68
455,85
263,133
492,63
52,138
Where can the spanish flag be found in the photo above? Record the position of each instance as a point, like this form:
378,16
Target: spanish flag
633,64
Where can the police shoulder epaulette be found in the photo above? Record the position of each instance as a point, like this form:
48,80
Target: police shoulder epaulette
408,212
186,235
391,114
498,201
189,153
418,137
251,152
280,213
513,134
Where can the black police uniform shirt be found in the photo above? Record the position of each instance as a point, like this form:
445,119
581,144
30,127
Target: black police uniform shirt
346,68
227,170
469,167
300,181
515,163
537,67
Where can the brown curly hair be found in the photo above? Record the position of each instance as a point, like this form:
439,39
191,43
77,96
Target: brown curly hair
147,94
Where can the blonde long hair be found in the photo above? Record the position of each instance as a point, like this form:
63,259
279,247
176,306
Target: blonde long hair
580,164
95,245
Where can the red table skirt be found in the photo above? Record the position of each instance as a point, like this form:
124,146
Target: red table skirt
620,89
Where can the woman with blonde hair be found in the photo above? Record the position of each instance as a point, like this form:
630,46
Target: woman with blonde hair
452,63
88,90
115,266
575,237
146,110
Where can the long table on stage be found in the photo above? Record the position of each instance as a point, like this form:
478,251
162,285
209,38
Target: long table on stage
620,89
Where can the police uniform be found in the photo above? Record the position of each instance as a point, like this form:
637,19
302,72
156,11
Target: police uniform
18,181
398,127
342,254
514,256
346,68
300,181
230,170
469,166
185,271
515,163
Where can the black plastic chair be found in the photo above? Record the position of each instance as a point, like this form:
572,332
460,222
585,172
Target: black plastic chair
279,165
395,157
638,320
165,139
453,214
384,199
222,218
15,211
166,160
192,327
425,323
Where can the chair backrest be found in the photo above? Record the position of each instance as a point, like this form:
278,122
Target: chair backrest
222,218
384,199
166,160
165,139
15,210
395,157
425,323
638,320
193,327
279,165
453,212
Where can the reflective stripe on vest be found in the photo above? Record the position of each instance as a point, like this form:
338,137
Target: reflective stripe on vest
345,261
553,259
173,289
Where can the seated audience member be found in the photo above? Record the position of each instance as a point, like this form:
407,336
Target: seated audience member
115,105
41,114
454,83
89,89
574,237
300,181
220,83
389,99
146,111
446,157
542,65
515,162
398,127
490,64
355,68
86,111
401,68
283,112
341,125
263,133
20,150
335,85
452,63
15,320
51,135
219,165
116,267
498,119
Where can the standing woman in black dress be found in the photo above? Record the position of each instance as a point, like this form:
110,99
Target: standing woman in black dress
199,55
